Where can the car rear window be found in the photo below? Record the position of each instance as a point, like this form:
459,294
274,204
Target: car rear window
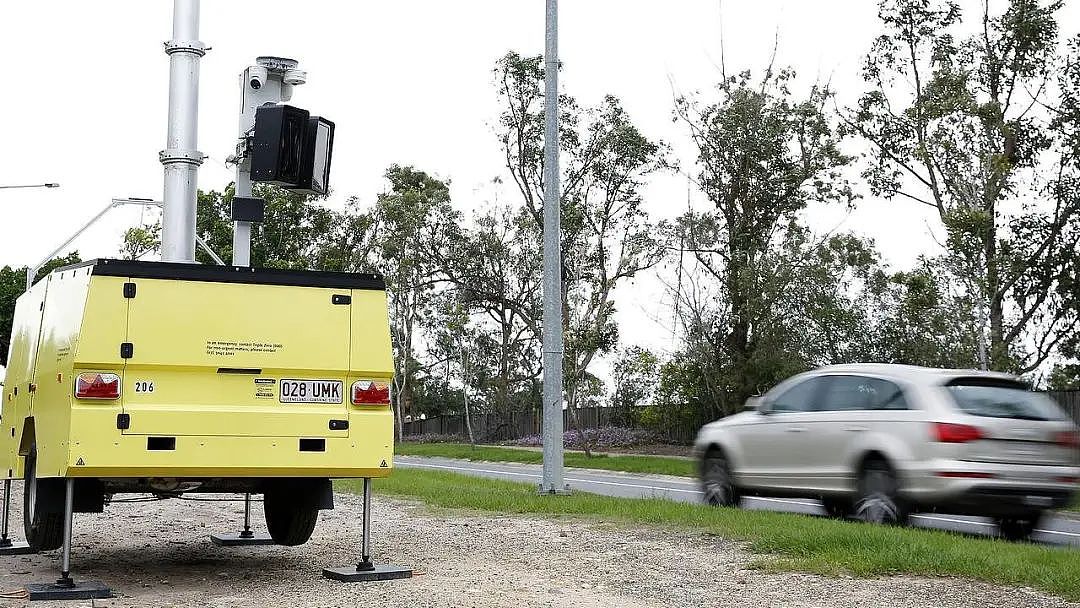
1001,399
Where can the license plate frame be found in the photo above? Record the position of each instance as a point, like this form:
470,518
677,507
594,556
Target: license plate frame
308,391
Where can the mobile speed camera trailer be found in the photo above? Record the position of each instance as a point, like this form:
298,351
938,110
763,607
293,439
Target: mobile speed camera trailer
173,377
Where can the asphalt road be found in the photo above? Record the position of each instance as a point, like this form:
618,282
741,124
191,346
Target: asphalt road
1054,530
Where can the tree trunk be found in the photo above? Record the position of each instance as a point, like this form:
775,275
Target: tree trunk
999,351
575,423
399,421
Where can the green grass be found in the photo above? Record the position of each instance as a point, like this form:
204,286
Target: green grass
661,465
783,541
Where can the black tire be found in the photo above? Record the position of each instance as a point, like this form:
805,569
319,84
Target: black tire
717,484
878,489
43,508
838,508
290,519
1018,528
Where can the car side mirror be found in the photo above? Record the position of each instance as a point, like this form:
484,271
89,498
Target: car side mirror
755,404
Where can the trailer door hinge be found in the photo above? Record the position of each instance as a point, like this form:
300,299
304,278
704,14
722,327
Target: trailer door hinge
123,421
127,349
129,290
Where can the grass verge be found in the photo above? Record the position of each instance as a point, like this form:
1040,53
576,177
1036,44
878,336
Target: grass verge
783,541
660,465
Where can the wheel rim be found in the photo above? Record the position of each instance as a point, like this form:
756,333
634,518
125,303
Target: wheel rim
877,503
716,482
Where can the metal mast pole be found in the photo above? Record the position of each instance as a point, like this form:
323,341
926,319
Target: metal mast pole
181,158
553,331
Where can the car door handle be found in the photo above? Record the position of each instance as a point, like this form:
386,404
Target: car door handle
795,429
855,429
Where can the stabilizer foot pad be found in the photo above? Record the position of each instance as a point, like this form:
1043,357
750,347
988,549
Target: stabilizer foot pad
85,590
349,574
16,549
235,540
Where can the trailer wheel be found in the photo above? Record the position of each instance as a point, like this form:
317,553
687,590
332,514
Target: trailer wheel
290,518
43,510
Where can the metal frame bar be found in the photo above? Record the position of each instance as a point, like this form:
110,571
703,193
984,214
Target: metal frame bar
4,540
246,532
65,579
365,544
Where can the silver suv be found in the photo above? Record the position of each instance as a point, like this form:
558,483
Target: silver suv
879,442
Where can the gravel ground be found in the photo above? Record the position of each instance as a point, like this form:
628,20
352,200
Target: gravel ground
158,554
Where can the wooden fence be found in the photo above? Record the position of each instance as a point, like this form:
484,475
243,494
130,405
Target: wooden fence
515,425
1069,401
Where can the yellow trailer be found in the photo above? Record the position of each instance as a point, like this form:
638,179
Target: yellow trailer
170,378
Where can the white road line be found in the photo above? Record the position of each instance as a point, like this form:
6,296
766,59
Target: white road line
663,489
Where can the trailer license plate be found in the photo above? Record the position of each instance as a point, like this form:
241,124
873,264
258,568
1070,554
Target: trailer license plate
310,391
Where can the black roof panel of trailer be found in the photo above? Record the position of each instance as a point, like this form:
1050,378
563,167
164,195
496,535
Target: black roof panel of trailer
231,274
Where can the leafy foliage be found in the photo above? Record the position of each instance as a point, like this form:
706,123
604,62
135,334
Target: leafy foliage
961,124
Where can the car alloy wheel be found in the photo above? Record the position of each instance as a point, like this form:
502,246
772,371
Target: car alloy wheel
879,500
716,483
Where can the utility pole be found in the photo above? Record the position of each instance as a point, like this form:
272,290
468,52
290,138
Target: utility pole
181,157
552,482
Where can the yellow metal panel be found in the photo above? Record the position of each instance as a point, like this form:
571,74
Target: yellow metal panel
20,375
104,325
105,452
371,355
189,340
62,320
187,323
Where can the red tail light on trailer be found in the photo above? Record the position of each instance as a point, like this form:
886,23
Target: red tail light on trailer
371,392
95,385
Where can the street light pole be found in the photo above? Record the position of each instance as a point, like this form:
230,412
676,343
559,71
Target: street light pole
552,482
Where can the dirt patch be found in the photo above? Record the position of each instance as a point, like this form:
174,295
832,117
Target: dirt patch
159,554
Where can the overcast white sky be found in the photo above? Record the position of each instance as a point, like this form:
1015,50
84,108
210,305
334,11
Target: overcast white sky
409,82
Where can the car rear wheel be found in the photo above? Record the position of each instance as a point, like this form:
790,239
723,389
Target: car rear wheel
290,518
879,494
43,507
717,484
1018,528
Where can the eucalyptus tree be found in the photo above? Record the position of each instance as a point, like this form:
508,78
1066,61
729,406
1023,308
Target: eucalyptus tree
411,221
607,236
969,127
764,153
494,268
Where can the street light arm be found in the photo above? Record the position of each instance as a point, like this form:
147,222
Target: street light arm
32,271
46,185
116,202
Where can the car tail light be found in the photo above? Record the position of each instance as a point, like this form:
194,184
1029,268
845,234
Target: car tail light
947,432
1069,439
1067,479
965,474
97,386
371,392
